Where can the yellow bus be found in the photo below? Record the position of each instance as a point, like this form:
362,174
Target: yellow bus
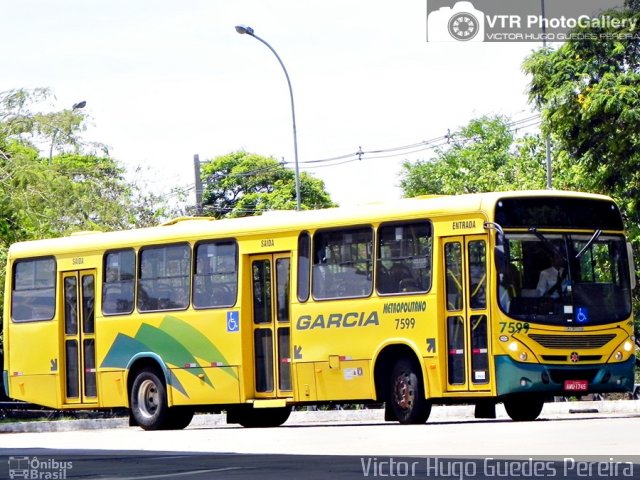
509,297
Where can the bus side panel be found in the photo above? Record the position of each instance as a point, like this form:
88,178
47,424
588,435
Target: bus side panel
34,372
342,337
211,386
113,389
344,380
194,348
305,382
39,389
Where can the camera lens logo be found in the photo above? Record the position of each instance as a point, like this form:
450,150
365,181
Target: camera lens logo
463,26
462,22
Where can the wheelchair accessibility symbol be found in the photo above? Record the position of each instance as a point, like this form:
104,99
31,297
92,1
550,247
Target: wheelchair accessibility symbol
233,321
582,315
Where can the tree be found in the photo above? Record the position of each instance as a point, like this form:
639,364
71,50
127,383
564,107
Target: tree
482,156
589,94
82,189
52,131
46,197
241,184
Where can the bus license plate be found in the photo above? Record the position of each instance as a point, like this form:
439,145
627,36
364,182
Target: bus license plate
576,385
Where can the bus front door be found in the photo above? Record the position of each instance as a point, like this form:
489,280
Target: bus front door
270,277
467,314
79,353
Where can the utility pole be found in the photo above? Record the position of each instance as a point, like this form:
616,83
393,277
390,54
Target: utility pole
548,139
196,167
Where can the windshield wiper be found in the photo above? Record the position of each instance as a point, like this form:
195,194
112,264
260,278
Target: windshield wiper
548,243
593,238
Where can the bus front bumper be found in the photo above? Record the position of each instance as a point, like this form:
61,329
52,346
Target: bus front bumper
516,377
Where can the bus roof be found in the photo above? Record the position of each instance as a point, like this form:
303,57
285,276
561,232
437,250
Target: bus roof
281,221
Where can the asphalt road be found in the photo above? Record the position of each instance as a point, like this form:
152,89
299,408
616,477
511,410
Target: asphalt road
126,465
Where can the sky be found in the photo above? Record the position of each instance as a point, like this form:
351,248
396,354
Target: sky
167,79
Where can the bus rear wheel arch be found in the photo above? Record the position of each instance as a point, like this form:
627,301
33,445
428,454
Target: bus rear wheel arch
400,384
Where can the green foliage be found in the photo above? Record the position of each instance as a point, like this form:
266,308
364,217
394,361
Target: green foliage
589,95
241,184
54,130
46,197
482,156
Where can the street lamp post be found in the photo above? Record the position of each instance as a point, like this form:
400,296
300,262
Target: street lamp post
243,29
74,107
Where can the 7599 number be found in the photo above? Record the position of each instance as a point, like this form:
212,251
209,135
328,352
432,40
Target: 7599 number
405,323
514,327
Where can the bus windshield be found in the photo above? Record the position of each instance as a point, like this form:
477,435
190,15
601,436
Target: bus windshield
576,279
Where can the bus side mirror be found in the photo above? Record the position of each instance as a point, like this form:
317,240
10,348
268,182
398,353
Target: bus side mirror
632,266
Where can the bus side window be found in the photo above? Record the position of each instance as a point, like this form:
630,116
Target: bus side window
117,283
404,257
164,277
33,290
304,259
342,263
215,276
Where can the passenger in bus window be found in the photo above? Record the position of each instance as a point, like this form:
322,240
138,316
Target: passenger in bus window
550,280
509,286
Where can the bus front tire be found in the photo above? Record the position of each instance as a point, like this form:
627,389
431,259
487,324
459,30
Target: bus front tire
407,398
524,408
149,401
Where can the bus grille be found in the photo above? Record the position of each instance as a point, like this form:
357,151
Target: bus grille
565,358
572,342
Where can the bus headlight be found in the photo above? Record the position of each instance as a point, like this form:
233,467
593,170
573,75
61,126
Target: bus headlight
628,346
618,356
520,350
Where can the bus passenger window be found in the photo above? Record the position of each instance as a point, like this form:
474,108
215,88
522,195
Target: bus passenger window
342,263
215,279
117,283
164,278
33,290
404,258
304,254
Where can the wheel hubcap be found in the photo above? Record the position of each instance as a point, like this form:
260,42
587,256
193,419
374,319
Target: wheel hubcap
403,392
148,399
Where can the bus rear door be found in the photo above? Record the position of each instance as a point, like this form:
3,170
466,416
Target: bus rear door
270,277
466,313
79,333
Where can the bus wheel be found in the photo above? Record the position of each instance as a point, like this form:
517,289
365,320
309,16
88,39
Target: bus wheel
178,418
407,393
523,408
149,401
263,417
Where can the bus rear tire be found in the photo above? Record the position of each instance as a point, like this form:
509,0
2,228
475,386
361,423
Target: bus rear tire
524,408
407,393
149,400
